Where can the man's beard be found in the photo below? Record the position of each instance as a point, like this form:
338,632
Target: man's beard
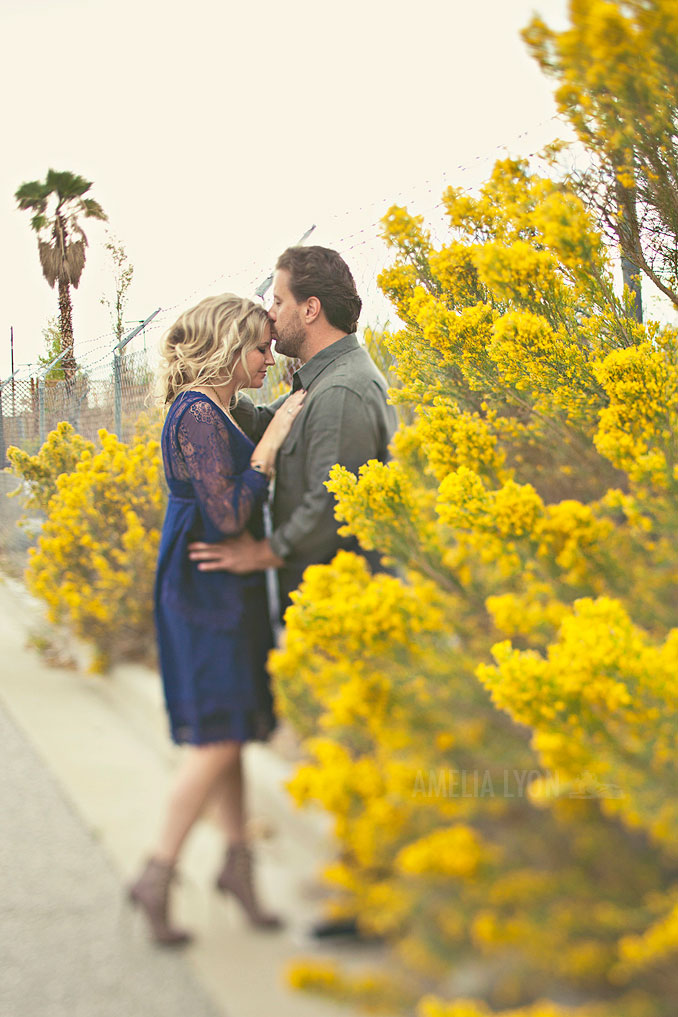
290,340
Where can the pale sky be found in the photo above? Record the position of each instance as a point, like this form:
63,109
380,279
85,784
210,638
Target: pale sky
216,133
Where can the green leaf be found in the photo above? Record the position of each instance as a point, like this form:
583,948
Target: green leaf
33,194
67,185
93,209
39,222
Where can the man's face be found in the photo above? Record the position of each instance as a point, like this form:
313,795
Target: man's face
287,326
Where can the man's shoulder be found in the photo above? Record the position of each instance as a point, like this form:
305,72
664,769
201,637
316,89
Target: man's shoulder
354,370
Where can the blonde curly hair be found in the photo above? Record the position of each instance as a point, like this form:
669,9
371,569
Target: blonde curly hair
204,344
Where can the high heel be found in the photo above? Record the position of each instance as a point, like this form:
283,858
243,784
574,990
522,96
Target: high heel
236,878
151,893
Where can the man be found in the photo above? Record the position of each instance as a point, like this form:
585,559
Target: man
345,419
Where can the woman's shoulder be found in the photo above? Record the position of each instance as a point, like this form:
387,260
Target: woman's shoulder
202,410
200,406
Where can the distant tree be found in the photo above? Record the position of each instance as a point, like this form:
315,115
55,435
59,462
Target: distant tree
61,239
616,66
51,333
123,272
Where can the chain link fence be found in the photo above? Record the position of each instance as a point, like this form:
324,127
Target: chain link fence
109,396
109,393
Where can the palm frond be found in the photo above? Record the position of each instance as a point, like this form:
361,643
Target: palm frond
39,221
75,229
67,185
50,262
32,194
93,209
74,262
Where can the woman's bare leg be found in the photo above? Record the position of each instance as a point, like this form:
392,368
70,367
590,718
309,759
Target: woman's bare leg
202,771
236,876
228,798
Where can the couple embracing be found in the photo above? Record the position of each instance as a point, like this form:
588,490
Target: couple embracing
220,451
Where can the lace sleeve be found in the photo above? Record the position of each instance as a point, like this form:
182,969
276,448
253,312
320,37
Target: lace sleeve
226,496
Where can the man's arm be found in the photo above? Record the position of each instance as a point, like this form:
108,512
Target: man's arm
341,427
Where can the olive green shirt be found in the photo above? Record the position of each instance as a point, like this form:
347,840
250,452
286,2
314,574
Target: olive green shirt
345,419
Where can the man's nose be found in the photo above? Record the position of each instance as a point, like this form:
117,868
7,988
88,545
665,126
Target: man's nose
271,313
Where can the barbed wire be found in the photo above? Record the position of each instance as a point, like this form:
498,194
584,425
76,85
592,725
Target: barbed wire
407,192
255,269
445,179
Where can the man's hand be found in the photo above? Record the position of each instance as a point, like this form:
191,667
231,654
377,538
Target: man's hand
238,554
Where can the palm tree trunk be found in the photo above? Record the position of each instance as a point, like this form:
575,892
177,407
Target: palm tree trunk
66,327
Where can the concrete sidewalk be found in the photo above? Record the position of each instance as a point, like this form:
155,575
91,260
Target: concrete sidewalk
67,951
87,769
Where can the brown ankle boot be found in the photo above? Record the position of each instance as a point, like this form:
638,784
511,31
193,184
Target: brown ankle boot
236,878
151,894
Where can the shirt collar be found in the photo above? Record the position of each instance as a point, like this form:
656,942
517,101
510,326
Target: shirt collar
309,371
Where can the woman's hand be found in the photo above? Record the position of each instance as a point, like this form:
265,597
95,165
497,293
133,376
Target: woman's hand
283,418
263,456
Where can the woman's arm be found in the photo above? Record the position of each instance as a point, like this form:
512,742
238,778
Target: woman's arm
226,496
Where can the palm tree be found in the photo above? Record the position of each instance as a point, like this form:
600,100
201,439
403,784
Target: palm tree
61,240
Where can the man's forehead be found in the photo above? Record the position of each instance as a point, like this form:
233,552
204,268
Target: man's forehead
281,279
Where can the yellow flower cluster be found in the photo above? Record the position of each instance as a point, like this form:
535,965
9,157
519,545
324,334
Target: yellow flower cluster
657,944
450,438
489,522
531,612
432,1007
450,852
638,429
518,273
371,990
384,493
591,703
60,454
95,559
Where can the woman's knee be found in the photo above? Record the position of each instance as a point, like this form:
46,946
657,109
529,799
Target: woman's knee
221,755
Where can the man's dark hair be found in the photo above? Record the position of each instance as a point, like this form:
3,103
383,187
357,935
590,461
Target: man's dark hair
322,273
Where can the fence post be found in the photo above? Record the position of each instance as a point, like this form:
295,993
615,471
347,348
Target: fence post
3,446
117,393
41,396
117,371
41,410
628,231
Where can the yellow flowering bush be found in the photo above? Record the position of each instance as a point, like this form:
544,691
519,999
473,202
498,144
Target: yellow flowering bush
493,728
59,455
617,81
95,558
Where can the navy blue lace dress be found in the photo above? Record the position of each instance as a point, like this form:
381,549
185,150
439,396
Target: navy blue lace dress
213,628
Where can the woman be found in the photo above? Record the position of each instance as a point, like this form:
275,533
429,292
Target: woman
213,627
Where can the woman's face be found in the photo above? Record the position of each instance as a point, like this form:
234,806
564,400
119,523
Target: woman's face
258,361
